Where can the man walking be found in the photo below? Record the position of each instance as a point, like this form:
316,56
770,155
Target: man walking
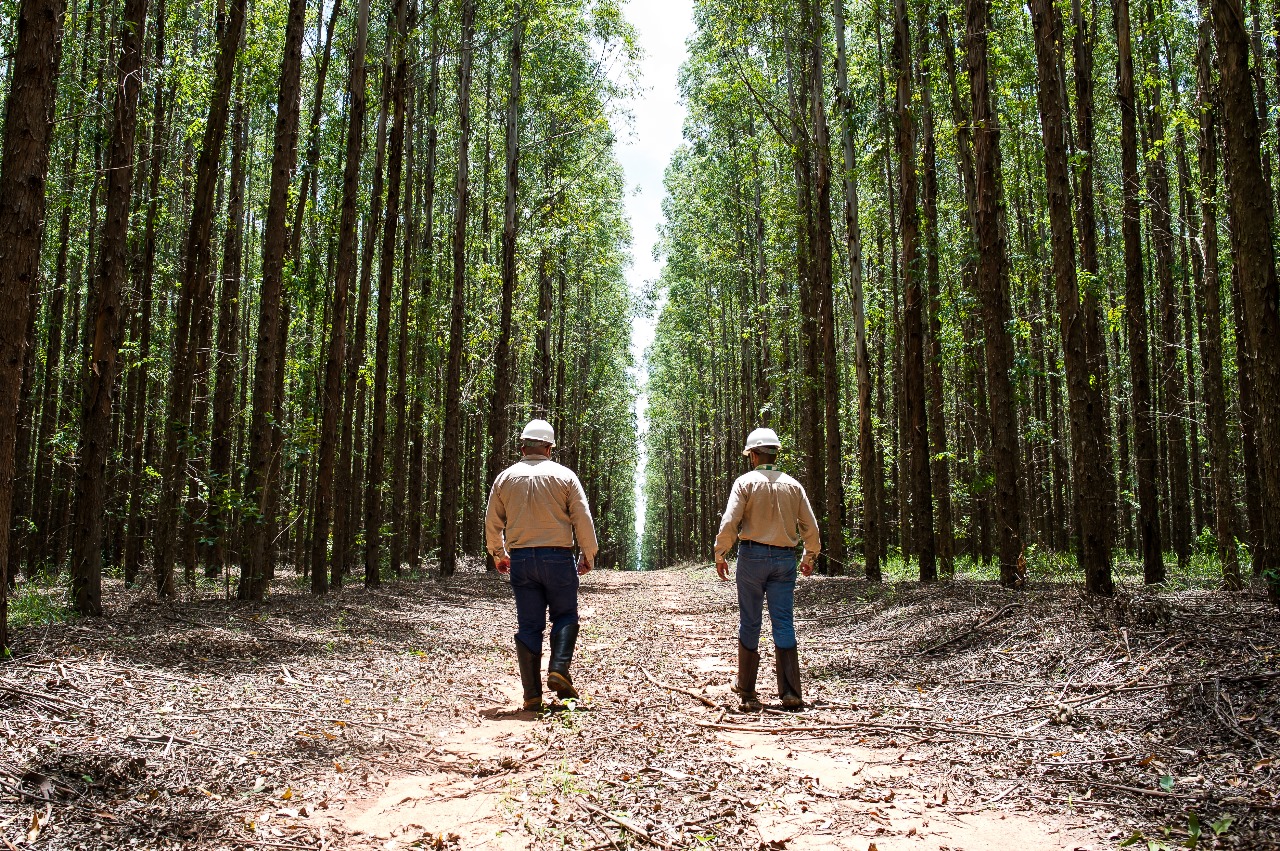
536,509
768,514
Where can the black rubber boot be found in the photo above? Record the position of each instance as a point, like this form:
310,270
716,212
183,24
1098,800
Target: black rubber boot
788,661
530,676
745,687
562,644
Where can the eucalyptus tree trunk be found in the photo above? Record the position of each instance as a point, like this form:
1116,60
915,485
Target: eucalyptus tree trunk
376,471
1251,222
349,508
499,415
919,484
1215,399
941,474
195,289
451,484
1093,290
1084,391
105,309
262,462
833,450
138,519
400,402
28,136
1173,387
1144,429
853,242
331,400
225,366
417,438
993,291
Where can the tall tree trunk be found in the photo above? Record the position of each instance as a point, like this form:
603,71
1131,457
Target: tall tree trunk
1215,399
870,473
1093,291
1173,387
993,290
833,451
941,475
1144,429
28,135
1084,391
376,470
196,283
451,484
920,484
499,415
105,309
222,436
262,461
331,408
1251,223
425,312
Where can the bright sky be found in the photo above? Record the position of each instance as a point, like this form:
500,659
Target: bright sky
663,26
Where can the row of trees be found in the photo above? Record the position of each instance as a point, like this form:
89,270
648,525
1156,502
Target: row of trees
1003,275
281,281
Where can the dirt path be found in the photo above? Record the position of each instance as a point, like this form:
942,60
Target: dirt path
675,771
953,718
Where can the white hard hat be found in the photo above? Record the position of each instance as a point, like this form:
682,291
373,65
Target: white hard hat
762,437
539,430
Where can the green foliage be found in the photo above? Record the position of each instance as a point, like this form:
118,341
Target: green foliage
40,602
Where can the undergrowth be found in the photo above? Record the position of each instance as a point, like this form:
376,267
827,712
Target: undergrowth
39,602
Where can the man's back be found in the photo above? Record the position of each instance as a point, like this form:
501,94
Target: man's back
769,507
539,503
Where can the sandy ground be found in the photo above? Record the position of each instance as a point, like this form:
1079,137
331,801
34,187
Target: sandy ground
953,718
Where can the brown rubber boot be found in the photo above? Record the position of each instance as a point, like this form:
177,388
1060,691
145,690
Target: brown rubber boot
530,676
788,662
745,687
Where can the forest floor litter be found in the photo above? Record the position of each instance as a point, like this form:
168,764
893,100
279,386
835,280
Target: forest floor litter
950,717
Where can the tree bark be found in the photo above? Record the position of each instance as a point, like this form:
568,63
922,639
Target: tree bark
853,243
1144,429
195,286
499,415
331,408
105,309
376,472
417,473
262,461
1251,222
1215,399
451,484
993,290
1173,386
28,135
920,484
1084,390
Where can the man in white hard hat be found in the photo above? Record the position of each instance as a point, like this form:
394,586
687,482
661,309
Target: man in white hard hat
536,509
768,515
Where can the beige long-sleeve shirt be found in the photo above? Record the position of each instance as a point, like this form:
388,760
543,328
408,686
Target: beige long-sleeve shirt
538,503
769,507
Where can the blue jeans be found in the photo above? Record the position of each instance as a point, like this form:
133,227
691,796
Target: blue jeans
766,573
542,579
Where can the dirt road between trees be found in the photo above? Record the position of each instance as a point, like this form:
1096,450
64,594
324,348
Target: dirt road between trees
953,717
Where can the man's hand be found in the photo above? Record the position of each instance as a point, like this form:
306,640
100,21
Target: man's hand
502,565
584,566
806,564
722,568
